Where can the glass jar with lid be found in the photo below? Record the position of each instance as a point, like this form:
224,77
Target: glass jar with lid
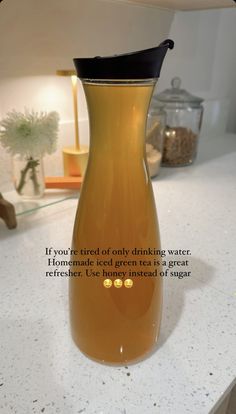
183,123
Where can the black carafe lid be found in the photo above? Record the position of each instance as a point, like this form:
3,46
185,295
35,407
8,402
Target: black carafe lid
144,64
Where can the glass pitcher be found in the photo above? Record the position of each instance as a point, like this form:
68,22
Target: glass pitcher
116,300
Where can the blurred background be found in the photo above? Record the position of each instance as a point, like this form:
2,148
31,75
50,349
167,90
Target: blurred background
39,38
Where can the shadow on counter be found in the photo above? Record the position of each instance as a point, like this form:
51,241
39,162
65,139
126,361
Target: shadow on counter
175,291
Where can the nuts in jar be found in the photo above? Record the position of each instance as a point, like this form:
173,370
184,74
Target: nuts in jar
180,146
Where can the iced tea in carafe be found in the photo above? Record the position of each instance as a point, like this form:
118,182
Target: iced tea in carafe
115,303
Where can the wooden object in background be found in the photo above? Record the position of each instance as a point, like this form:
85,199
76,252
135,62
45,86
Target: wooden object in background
7,213
72,183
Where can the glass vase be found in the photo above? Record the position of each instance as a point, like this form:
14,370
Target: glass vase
28,176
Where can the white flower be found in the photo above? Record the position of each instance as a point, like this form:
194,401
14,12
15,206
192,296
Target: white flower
29,134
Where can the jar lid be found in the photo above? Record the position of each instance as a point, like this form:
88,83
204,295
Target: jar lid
177,95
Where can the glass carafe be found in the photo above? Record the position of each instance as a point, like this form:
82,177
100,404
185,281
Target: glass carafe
116,308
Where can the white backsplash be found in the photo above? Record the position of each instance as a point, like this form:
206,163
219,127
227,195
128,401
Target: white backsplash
205,60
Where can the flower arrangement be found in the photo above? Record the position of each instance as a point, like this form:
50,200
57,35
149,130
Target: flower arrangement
30,135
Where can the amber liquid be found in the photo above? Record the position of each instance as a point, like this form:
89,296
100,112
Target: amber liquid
116,210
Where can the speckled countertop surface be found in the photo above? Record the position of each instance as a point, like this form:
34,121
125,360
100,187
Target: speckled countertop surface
41,370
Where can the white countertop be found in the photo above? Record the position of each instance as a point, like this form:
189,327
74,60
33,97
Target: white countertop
41,370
